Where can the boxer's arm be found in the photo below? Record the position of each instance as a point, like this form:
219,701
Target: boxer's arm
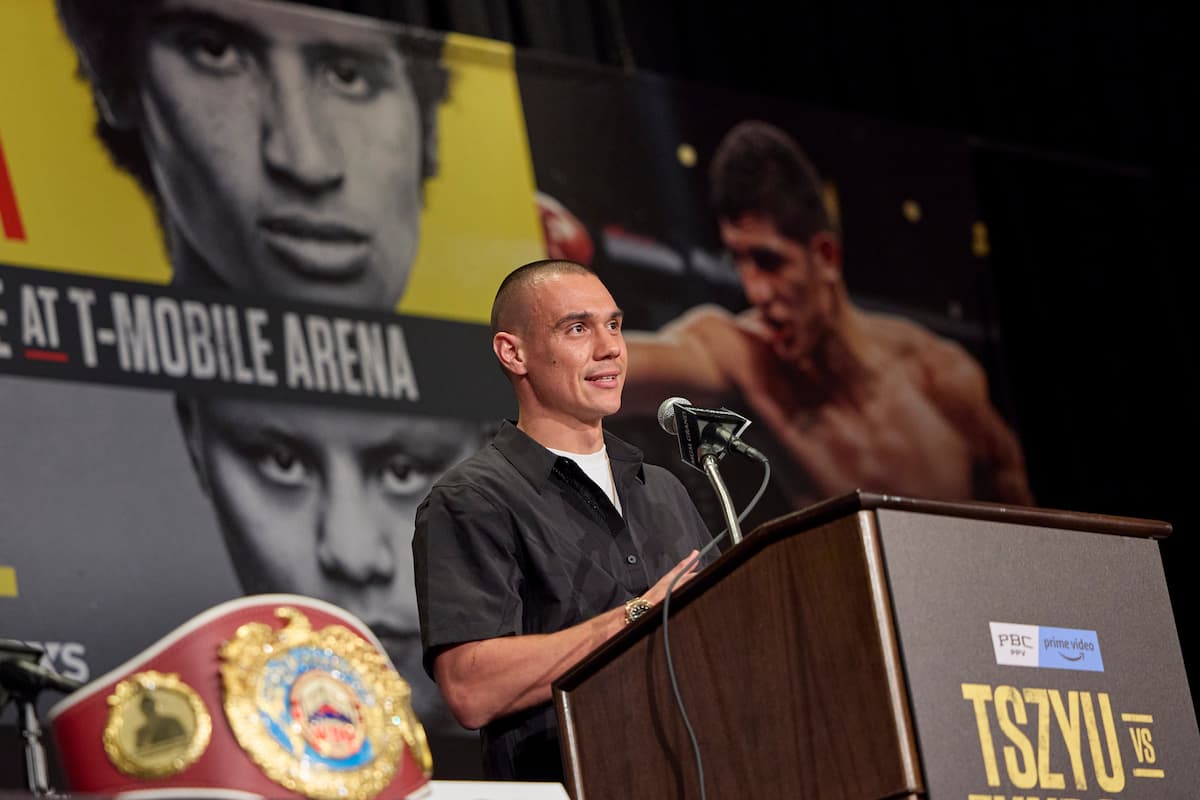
686,357
961,389
1002,475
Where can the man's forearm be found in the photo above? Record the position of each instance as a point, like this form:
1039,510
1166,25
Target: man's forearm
490,678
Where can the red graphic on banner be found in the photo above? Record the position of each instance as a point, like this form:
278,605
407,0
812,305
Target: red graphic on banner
10,217
45,355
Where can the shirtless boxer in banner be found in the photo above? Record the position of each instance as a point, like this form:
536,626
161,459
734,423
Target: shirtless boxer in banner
850,399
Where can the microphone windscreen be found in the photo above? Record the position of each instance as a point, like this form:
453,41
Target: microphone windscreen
666,414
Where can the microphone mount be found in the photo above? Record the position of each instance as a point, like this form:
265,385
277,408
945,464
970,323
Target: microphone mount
704,436
22,678
704,431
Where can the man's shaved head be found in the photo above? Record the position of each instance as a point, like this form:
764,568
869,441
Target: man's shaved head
511,303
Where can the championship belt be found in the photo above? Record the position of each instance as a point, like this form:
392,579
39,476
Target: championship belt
270,695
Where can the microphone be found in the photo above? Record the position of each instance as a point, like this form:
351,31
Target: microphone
21,678
28,677
666,414
705,431
705,435
20,672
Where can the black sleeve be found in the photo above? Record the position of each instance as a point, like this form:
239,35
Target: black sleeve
466,570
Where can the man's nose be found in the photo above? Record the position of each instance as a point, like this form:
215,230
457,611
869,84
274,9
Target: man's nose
609,345
298,143
756,285
353,544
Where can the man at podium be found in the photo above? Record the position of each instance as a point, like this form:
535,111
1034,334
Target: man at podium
537,549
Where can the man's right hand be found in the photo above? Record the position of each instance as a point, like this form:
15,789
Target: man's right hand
658,591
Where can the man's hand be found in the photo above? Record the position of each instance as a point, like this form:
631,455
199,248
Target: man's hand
658,591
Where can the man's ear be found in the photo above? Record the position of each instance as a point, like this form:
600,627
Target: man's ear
188,412
507,347
826,251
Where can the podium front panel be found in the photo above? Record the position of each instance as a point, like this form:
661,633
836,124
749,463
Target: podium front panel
786,662
1039,662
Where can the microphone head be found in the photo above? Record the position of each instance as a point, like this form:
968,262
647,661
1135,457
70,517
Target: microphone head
666,414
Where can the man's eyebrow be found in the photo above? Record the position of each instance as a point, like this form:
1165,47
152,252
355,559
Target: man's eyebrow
764,248
235,29
423,449
381,54
586,316
761,252
257,434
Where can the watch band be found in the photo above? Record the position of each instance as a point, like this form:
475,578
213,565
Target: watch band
635,609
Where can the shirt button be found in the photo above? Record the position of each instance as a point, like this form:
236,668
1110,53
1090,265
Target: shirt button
631,559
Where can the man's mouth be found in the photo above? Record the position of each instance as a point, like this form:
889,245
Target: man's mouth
777,329
783,335
774,323
315,247
604,379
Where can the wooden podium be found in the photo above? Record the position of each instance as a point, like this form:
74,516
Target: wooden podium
877,647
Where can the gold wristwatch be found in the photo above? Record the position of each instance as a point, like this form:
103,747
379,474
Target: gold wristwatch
635,609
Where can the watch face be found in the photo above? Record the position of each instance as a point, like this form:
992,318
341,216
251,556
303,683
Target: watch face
635,609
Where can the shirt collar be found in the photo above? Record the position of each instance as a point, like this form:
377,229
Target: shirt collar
536,463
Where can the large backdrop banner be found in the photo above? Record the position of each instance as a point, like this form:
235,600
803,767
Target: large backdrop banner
247,258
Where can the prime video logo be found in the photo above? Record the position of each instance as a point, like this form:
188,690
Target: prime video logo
1045,647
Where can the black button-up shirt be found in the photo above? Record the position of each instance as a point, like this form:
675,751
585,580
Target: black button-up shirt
516,540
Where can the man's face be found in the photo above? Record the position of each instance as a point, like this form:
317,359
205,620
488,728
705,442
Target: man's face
574,349
287,157
789,284
321,502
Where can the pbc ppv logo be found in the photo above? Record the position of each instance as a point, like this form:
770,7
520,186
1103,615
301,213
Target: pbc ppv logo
1049,648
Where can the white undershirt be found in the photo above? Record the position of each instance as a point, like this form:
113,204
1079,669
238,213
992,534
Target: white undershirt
595,466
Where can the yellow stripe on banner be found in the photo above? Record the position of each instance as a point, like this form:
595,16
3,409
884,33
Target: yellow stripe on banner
80,213
480,218
1149,773
8,581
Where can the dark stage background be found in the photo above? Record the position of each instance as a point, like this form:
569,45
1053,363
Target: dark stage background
1084,173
